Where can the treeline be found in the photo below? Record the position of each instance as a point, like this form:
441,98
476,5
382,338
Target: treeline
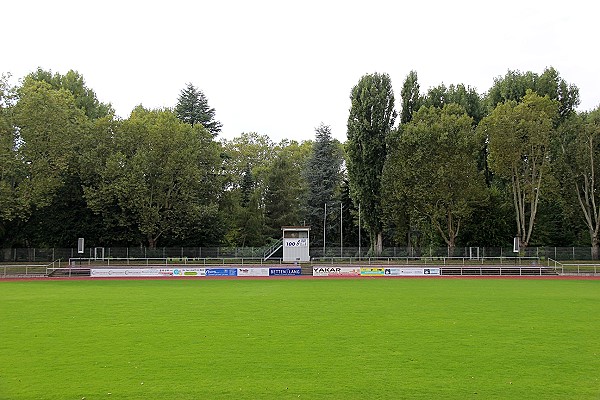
454,168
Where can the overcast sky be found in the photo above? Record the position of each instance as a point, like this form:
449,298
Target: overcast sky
281,68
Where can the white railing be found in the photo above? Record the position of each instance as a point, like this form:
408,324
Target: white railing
26,270
574,268
430,261
171,261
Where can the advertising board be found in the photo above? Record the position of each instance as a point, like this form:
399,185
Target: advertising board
189,272
145,272
221,271
253,271
335,271
372,271
412,271
285,271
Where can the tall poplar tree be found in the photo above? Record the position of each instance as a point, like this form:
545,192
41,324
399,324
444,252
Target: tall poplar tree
192,108
411,100
370,121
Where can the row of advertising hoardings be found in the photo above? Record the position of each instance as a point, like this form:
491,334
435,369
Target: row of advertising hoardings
373,271
157,272
318,271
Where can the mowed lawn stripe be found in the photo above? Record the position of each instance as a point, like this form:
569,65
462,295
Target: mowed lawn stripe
328,338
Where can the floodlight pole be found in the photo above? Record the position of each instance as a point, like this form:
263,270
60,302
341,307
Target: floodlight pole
359,231
324,225
341,230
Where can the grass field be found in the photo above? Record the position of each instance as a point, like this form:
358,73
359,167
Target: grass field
307,339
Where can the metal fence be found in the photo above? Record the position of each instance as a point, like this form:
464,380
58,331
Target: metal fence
40,255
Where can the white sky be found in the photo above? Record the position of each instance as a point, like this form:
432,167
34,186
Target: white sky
282,67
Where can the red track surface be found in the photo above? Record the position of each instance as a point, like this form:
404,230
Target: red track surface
529,277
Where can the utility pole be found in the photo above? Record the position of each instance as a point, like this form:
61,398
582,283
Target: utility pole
341,229
324,226
359,231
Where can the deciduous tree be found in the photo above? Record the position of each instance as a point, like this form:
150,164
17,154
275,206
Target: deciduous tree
370,121
519,137
411,98
73,82
163,173
514,85
580,162
432,167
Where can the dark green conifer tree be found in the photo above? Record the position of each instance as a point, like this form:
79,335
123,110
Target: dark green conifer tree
192,108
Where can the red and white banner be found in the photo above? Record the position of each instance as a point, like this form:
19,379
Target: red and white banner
336,271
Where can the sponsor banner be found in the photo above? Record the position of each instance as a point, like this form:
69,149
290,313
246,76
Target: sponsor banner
302,242
189,271
372,271
221,271
145,272
336,271
124,272
411,271
285,271
253,271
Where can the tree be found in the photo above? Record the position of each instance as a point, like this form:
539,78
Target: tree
514,86
192,108
370,121
519,137
282,200
85,98
50,126
465,96
247,186
432,167
246,165
411,99
248,150
249,222
12,170
323,177
163,174
580,158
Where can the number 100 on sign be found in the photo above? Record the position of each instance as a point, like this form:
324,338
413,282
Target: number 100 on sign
296,243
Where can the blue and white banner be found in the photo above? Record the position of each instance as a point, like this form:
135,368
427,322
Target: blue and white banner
221,271
285,271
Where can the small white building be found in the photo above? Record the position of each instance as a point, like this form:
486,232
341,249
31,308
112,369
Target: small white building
296,243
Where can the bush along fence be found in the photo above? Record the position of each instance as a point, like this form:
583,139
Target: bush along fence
41,255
